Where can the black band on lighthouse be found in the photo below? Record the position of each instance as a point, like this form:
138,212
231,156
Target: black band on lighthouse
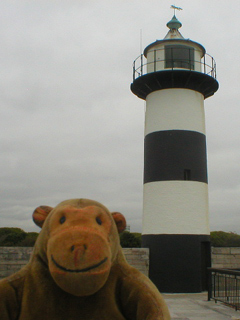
178,263
175,155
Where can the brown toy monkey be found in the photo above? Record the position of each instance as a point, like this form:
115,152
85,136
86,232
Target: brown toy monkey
78,271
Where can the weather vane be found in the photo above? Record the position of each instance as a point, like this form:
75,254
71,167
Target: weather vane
175,8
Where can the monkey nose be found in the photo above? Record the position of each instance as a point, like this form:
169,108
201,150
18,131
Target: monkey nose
79,251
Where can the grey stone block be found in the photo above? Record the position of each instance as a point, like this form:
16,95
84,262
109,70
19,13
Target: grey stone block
3,267
235,250
221,250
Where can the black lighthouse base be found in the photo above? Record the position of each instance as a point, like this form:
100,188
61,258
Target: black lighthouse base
178,263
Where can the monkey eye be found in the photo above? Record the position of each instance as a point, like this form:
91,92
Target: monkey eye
99,221
62,219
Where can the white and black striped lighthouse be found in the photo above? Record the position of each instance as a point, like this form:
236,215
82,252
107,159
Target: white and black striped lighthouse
174,76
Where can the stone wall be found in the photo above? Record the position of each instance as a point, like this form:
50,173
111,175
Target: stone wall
13,259
138,258
227,258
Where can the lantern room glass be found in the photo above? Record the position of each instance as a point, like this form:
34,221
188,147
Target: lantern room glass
179,56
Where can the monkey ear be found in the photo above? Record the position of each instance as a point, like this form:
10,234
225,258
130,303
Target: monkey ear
120,221
40,214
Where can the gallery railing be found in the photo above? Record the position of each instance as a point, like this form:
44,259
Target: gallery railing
224,286
158,62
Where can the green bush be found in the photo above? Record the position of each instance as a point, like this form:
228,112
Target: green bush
29,240
130,240
16,237
225,239
10,237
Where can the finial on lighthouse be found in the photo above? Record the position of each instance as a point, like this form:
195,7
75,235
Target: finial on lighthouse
174,24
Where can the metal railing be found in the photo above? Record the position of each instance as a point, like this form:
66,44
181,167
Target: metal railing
141,66
224,286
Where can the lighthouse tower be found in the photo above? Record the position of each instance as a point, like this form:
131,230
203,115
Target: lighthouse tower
175,76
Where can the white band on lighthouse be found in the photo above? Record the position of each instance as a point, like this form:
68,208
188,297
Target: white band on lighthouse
175,109
175,207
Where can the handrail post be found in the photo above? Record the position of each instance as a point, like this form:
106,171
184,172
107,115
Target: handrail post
134,70
236,285
154,60
212,73
209,275
141,64
189,58
204,63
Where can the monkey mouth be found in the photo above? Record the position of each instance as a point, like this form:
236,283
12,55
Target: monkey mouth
78,270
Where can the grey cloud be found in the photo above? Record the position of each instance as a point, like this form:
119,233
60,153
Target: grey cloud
70,127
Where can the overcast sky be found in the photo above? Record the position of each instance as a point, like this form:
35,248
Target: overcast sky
70,126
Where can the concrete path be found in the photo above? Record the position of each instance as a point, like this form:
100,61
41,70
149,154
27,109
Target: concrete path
197,307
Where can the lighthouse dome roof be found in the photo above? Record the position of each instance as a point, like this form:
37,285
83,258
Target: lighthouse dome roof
174,24
174,35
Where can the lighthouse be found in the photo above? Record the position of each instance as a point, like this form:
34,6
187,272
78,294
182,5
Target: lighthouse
174,76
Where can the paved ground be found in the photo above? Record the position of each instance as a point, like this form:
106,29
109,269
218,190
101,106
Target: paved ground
196,307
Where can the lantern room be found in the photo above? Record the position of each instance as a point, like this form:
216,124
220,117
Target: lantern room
176,62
